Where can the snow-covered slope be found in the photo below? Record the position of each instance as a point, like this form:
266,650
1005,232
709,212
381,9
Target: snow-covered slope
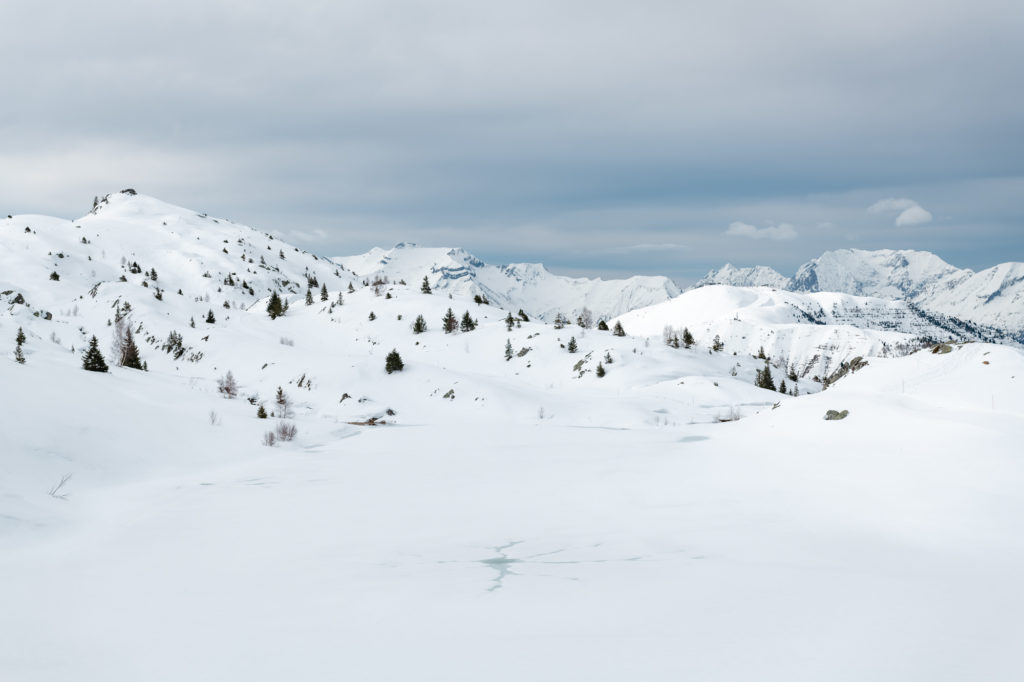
516,512
810,334
527,286
992,298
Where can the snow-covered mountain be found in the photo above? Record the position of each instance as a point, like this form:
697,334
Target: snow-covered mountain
812,335
529,286
548,503
992,298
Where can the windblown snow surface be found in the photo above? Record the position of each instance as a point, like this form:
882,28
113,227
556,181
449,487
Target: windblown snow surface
513,519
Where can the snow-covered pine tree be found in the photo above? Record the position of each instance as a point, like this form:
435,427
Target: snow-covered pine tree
508,349
572,348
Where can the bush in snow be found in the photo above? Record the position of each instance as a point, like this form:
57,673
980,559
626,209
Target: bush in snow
393,363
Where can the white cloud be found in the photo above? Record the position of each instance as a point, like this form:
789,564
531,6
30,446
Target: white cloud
780,232
908,211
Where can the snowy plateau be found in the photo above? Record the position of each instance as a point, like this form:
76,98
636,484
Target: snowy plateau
499,508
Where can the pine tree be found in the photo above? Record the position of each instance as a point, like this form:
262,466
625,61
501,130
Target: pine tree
129,351
20,338
618,330
19,356
309,297
393,363
274,307
419,326
372,316
323,291
602,326
687,338
600,370
782,386
572,345
467,324
351,289
509,322
717,344
93,358
508,349
341,301
449,322
425,287
210,319
261,412
522,316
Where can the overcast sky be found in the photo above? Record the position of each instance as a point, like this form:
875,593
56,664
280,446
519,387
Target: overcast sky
602,138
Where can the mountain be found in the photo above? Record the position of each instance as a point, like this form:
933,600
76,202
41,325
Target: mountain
663,510
756,276
527,286
812,334
989,302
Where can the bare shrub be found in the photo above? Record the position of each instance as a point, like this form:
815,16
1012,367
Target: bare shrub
285,431
269,439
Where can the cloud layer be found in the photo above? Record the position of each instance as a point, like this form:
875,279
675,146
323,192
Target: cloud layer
908,212
781,232
528,129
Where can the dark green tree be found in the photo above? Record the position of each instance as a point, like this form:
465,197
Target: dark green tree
393,363
782,386
210,319
618,330
129,351
522,316
323,292
20,338
467,324
372,316
274,307
600,371
508,349
19,355
509,322
602,326
419,326
687,338
449,322
261,412
717,344
425,287
93,360
309,297
572,348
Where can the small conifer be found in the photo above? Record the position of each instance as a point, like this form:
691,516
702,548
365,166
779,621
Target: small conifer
600,372
508,349
93,360
393,362
419,326
572,348
618,330
425,287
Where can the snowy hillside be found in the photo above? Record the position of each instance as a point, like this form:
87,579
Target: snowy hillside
526,286
810,335
992,300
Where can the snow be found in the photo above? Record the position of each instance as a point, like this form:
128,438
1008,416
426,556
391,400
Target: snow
993,297
527,286
542,523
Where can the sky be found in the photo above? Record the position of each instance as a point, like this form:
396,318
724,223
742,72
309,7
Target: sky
603,138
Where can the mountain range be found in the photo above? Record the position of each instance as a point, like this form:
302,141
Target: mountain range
992,298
